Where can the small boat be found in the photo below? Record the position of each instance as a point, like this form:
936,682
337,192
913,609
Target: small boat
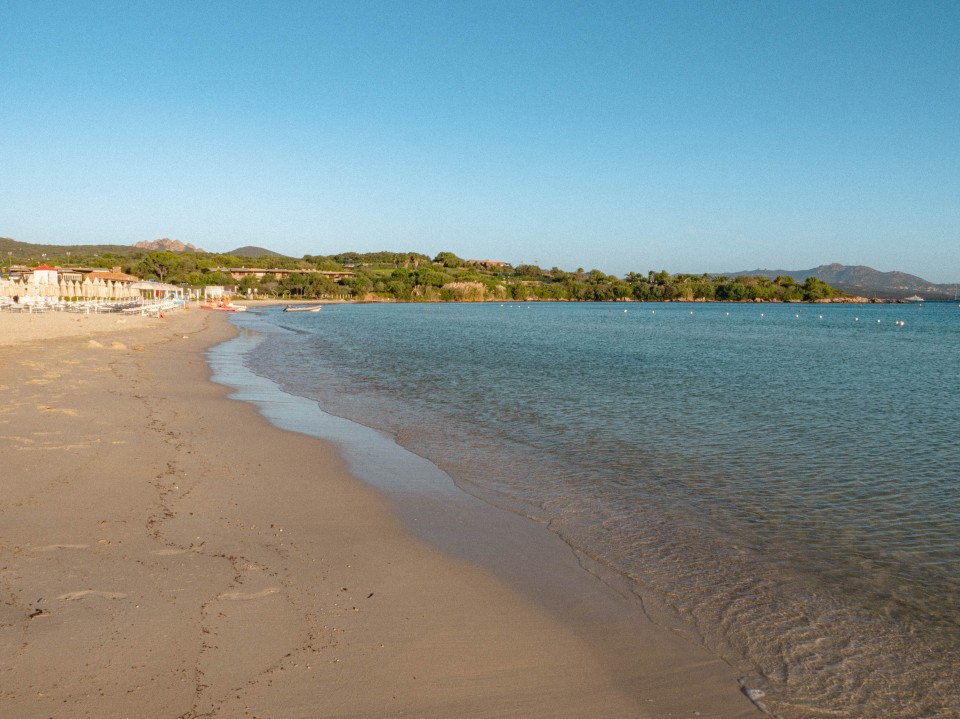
915,298
223,306
303,308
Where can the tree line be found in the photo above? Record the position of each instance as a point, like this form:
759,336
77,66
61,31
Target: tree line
412,276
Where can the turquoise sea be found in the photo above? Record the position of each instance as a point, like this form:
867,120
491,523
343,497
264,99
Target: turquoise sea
782,479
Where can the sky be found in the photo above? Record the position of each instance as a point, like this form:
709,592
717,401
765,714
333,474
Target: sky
711,136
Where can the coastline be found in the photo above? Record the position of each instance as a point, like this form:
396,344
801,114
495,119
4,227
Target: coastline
169,552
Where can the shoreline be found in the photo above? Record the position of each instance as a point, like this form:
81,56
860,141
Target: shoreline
846,300
169,552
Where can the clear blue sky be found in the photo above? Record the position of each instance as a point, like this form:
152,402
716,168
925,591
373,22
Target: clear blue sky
686,136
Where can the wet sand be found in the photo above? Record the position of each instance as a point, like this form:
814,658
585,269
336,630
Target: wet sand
166,552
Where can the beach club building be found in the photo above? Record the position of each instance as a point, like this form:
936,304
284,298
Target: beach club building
45,275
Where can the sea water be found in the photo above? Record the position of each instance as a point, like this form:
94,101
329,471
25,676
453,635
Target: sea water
781,479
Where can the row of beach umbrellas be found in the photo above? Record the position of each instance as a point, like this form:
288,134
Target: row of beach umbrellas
69,289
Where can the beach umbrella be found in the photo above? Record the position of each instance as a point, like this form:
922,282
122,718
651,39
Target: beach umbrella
64,288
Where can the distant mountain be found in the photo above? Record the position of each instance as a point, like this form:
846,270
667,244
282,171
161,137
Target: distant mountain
251,251
864,281
166,245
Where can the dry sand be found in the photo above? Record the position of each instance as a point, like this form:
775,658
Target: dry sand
17,328
165,552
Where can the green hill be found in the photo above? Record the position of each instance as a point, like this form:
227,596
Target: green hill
25,250
252,251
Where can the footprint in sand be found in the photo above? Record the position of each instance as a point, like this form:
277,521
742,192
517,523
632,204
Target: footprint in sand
84,593
245,596
54,547
60,410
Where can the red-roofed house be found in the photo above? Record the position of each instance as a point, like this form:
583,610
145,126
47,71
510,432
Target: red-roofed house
45,275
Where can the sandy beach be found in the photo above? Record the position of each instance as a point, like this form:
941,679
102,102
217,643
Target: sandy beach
166,552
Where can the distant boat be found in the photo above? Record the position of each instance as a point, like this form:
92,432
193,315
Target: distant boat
303,308
915,298
222,306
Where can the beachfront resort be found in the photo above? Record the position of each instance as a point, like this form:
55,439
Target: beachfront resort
91,290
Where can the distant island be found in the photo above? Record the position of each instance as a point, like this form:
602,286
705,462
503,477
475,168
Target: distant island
256,272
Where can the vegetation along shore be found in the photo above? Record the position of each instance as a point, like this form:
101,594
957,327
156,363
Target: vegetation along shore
413,277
